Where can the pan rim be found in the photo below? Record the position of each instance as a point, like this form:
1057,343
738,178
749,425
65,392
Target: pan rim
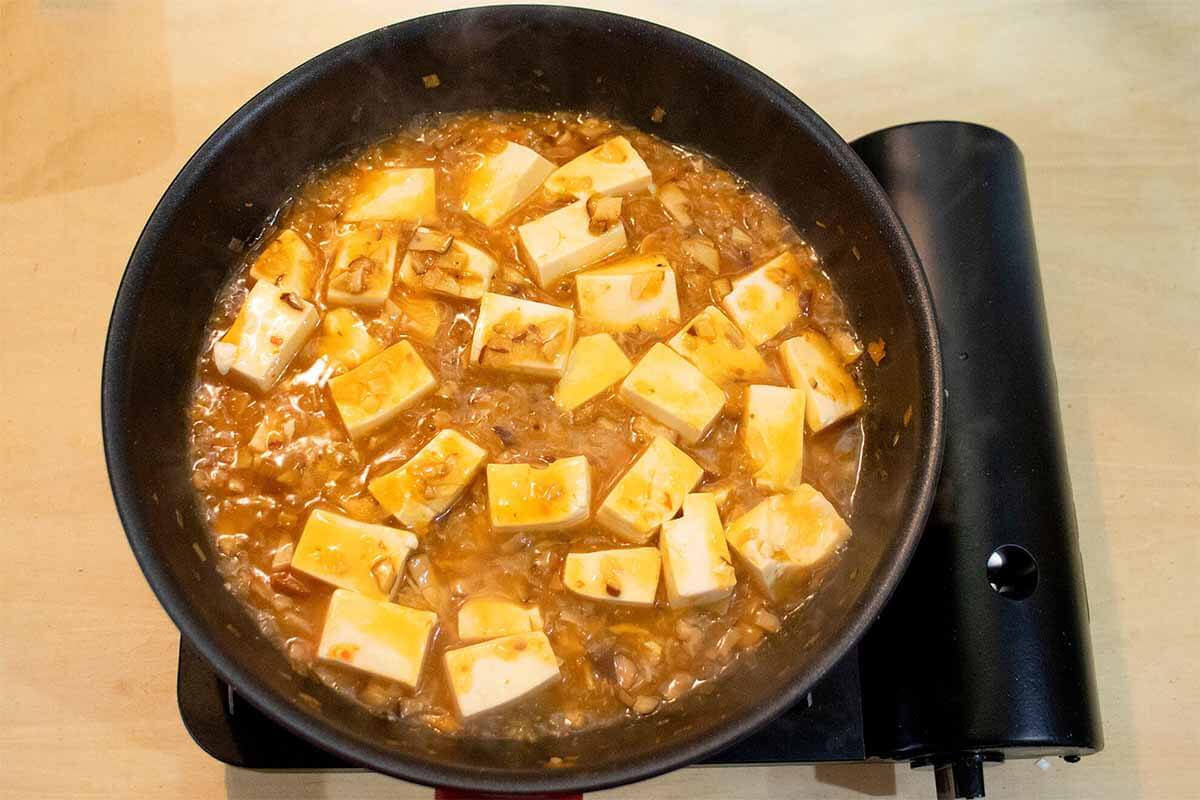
671,755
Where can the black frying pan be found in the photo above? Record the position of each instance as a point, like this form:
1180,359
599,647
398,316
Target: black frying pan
537,58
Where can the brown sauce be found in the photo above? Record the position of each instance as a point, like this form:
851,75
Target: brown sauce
615,661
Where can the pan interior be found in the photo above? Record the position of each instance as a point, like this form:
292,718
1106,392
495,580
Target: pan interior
535,59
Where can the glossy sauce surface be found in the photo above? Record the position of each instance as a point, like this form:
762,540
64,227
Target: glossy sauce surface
614,660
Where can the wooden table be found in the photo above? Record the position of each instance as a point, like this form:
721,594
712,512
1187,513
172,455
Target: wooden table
101,103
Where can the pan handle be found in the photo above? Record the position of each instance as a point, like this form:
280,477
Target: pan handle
457,794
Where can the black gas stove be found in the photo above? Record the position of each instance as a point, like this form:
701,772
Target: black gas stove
983,653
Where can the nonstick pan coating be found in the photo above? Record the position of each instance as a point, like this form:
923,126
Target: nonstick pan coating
534,58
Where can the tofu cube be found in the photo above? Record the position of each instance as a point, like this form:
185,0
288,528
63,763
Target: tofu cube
503,181
380,389
773,431
395,195
344,341
719,350
635,293
785,535
492,674
289,263
378,637
462,271
613,167
667,388
628,576
596,363
522,497
522,336
697,568
490,617
811,364
562,242
364,558
650,492
270,329
363,267
766,300
431,481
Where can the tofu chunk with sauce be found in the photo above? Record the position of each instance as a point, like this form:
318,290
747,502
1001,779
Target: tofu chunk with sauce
718,349
766,300
523,497
522,336
634,293
377,637
462,271
380,389
696,565
787,534
563,242
395,195
613,167
667,388
491,617
364,558
344,340
492,674
431,481
811,364
271,327
595,364
650,492
289,263
773,431
503,181
628,576
363,267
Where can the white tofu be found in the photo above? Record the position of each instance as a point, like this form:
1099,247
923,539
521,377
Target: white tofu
811,364
718,349
627,576
380,389
786,534
596,363
766,300
773,431
561,243
635,293
270,329
697,568
667,388
404,195
490,617
344,340
491,674
522,336
431,481
363,267
378,637
364,558
462,271
650,492
289,263
503,181
522,497
613,167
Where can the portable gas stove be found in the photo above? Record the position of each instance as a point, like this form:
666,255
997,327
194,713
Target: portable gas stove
983,653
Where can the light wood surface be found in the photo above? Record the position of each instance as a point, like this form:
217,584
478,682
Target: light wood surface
102,102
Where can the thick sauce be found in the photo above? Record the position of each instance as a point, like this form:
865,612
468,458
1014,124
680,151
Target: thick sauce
614,660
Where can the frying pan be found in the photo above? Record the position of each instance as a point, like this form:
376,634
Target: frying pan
535,58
